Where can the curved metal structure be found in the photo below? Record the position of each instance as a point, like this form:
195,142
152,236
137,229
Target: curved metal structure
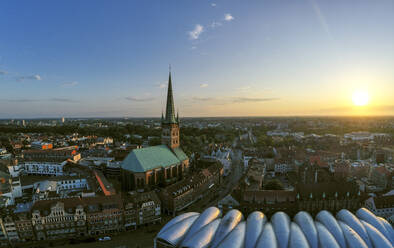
254,227
305,221
209,230
332,226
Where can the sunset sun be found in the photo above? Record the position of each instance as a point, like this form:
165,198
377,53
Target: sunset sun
360,98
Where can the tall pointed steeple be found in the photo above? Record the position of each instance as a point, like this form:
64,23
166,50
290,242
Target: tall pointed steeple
170,109
170,124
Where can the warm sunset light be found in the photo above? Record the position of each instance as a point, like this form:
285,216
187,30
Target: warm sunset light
360,98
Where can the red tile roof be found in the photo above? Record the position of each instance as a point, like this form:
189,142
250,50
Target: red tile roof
317,160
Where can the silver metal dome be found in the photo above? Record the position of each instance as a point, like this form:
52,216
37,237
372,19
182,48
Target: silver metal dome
209,230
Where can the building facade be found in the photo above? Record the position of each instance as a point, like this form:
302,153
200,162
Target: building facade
43,168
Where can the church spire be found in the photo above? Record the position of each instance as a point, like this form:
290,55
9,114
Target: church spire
170,109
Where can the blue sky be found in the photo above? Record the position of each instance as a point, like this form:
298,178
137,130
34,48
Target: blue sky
228,58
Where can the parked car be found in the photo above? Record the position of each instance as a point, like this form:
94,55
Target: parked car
106,238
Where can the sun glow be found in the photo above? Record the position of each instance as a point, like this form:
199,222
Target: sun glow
360,98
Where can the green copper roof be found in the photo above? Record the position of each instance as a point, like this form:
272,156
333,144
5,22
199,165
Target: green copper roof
170,109
180,154
144,159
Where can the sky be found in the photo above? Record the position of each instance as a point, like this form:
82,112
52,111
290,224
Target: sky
228,58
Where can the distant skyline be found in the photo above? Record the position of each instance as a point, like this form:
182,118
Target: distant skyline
228,58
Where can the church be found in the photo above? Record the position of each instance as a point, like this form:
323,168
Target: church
161,164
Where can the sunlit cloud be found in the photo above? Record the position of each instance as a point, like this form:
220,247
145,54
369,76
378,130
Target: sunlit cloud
196,32
203,99
228,17
203,85
254,99
139,99
349,109
213,4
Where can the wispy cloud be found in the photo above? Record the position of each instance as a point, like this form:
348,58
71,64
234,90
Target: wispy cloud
215,24
228,17
139,99
321,18
345,109
70,84
3,72
203,99
245,88
203,85
25,100
233,99
193,48
161,85
253,99
196,32
58,99
213,4
31,77
19,100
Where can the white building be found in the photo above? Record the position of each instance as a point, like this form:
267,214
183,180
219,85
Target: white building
96,161
364,136
48,189
283,168
73,184
4,154
224,157
10,189
43,168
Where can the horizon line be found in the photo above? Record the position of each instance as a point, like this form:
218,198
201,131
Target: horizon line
192,117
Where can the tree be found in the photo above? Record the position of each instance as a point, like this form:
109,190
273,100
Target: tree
274,184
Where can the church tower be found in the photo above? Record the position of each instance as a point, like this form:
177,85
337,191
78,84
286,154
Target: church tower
170,123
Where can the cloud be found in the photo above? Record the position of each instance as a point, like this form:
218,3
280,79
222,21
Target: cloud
203,85
70,84
253,99
193,48
56,99
215,24
137,99
31,77
213,4
3,72
203,99
19,100
321,18
245,88
161,85
228,17
24,100
196,32
344,109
